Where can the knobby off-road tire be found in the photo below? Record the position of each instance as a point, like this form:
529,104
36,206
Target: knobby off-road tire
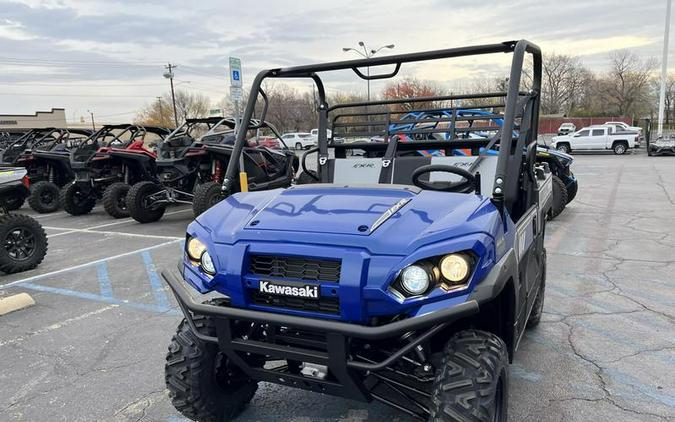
44,197
564,148
538,307
115,200
206,195
14,200
202,385
23,243
136,202
76,201
472,383
572,192
559,198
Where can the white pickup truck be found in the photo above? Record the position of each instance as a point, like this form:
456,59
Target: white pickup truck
596,138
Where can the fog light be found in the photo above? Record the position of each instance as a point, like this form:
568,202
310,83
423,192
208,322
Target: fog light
415,280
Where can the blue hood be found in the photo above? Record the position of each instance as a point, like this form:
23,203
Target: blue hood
338,215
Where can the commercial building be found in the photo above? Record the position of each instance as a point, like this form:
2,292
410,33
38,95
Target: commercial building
18,122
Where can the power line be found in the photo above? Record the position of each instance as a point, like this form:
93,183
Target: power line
67,84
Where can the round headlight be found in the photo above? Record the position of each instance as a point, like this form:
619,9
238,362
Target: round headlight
415,279
454,268
195,248
207,264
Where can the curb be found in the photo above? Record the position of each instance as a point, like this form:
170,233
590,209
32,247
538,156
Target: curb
15,302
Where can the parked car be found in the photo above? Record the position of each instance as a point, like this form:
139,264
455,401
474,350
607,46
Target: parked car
315,134
626,127
596,138
566,128
298,140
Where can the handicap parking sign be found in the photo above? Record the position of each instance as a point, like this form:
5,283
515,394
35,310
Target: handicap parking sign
235,72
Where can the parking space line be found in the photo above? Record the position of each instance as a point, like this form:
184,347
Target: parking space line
157,288
90,231
88,264
104,279
98,298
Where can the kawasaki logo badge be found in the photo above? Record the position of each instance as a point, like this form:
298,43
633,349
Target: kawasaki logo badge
311,292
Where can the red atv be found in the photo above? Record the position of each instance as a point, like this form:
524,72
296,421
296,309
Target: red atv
107,164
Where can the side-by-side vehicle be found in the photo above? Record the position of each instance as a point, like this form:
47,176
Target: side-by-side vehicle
393,276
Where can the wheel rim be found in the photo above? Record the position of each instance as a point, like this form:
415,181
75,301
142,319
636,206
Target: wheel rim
47,197
121,202
79,197
20,244
620,149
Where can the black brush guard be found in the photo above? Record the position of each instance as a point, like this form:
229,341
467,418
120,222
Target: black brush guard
350,374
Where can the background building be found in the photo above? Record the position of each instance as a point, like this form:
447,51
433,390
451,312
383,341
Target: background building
54,118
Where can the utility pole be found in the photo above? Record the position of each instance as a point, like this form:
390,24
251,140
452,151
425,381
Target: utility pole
161,113
93,125
169,75
664,70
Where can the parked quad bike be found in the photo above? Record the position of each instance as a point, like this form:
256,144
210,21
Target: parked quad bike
45,155
23,241
107,164
191,163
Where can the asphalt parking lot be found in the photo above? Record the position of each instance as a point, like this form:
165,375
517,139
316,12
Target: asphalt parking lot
93,347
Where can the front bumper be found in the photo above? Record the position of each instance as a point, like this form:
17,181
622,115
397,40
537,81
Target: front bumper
666,150
349,378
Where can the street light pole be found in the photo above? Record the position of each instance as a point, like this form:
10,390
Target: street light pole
169,75
366,54
664,70
93,125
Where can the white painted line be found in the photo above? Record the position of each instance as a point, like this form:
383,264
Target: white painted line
115,223
87,264
58,325
70,231
15,302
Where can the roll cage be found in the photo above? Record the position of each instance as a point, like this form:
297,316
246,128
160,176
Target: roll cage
520,113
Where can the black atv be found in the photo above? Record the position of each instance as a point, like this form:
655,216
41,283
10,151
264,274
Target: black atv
23,242
47,161
191,163
107,164
565,185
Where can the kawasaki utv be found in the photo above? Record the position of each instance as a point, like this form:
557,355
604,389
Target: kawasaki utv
107,164
403,278
48,164
23,242
192,162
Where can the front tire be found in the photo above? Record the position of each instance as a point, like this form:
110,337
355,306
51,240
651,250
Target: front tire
16,199
137,202
44,197
206,195
559,198
298,146
23,243
472,383
203,385
77,201
115,200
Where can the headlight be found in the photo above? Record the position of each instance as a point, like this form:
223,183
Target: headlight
454,268
195,249
415,279
207,264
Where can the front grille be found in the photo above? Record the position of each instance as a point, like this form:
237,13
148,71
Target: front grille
326,305
296,268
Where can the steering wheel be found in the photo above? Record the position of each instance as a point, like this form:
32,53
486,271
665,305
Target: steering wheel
463,186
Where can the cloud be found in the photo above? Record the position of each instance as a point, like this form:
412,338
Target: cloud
78,43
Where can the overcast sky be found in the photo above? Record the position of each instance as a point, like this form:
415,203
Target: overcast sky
108,55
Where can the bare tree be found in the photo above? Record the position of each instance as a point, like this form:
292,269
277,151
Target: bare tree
563,77
625,88
160,112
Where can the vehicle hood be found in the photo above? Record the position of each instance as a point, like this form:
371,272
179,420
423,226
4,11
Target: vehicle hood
380,219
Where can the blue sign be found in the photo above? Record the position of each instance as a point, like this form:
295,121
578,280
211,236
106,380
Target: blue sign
235,75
